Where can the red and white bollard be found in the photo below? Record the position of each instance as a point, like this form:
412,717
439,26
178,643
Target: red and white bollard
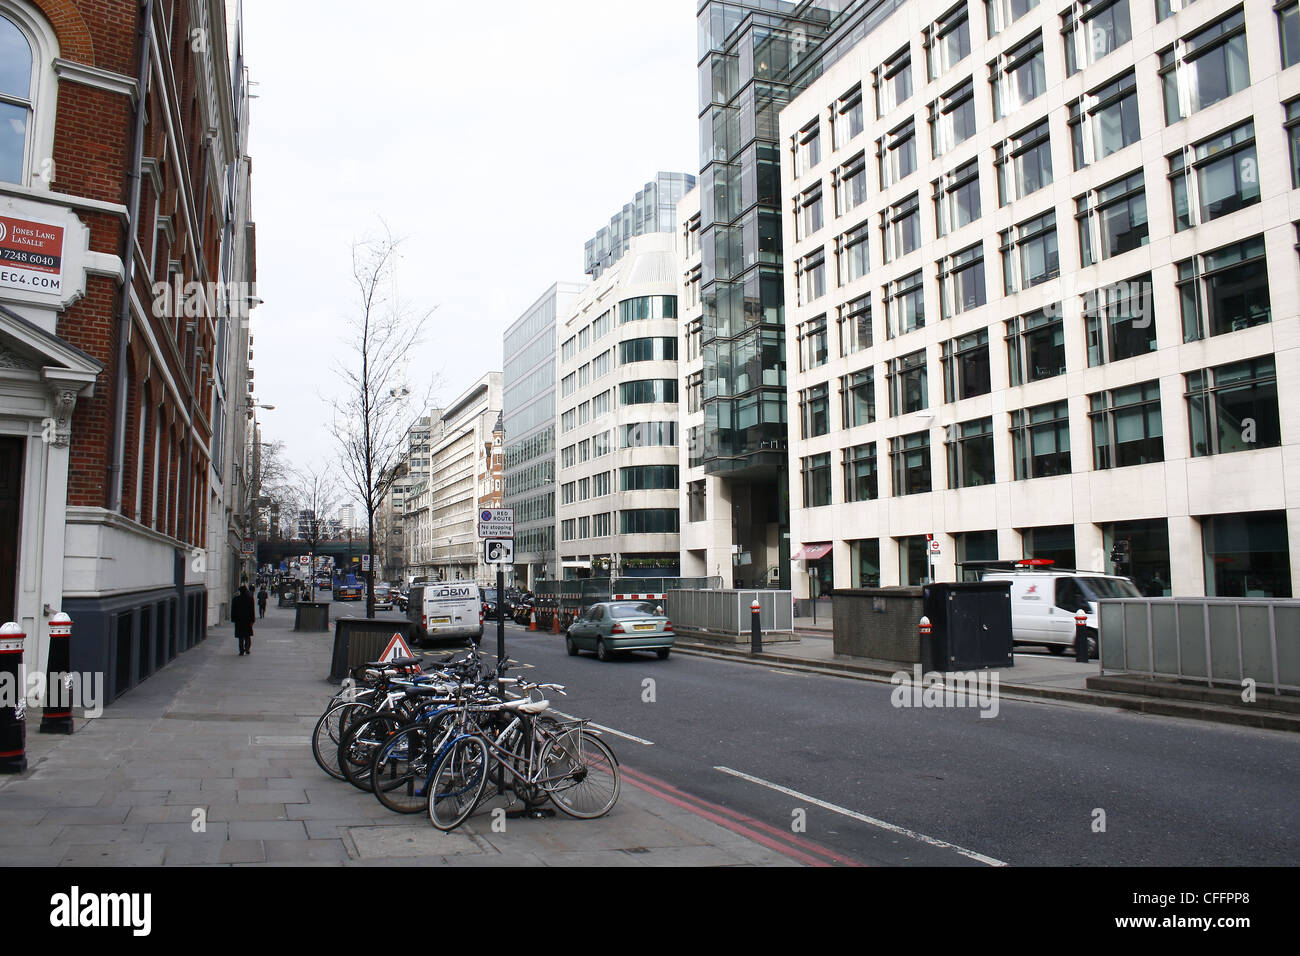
1081,636
923,631
755,628
13,725
56,715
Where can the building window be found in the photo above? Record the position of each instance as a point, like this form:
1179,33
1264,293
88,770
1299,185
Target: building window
970,453
1119,320
1247,555
568,529
584,376
1204,68
1126,426
1029,253
811,273
900,228
1234,407
865,558
808,212
947,41
648,477
649,435
1092,30
1024,163
910,461
858,398
600,485
1215,177
694,391
1003,13
861,480
568,494
602,403
1054,543
647,391
600,444
647,307
1293,140
584,413
850,182
1167,8
855,325
602,525
816,346
905,305
1036,346
893,80
1018,77
584,450
907,384
1104,120
695,501
807,147
568,420
897,154
952,119
584,489
852,259
961,281
19,70
584,339
649,521
1040,440
957,198
602,363
1225,290
568,456
848,116
966,367
601,326
816,471
569,349
568,384
1288,30
815,411
647,350
1112,220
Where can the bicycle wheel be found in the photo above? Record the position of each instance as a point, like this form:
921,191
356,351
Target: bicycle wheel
581,774
400,771
359,743
331,727
458,782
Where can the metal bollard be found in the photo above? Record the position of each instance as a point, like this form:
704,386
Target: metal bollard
755,628
13,726
56,715
1081,636
923,632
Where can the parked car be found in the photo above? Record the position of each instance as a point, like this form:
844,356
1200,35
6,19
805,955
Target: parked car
349,592
620,626
1043,604
383,598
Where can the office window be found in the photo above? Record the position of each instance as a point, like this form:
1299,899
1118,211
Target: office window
1247,555
850,182
1214,177
568,493
569,349
1036,346
696,501
1104,120
568,529
1126,426
966,366
1234,407
900,228
694,391
1092,29
864,558
648,477
947,41
584,376
816,346
649,435
1018,77
952,119
602,324
584,450
584,338
1003,13
907,384
1119,320
852,260
808,212
816,473
861,479
897,154
647,307
970,453
815,411
600,485
602,525
584,413
910,461
1040,440
858,398
568,420
603,362
961,281
568,384
648,391
1288,30
957,198
584,489
893,80
1024,163
19,79
568,456
1029,253
855,325
1293,140
848,116
807,147
811,273
601,404
584,527
1204,68
601,444
647,350
1167,8
1112,220
649,521
904,305
1225,290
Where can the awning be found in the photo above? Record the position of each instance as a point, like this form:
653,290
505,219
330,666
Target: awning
811,552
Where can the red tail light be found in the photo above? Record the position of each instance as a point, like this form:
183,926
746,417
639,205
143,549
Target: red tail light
616,629
424,620
668,626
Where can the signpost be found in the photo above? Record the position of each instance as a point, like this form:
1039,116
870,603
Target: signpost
497,527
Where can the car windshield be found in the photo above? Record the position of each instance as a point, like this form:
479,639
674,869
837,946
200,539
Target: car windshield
640,609
1109,588
489,594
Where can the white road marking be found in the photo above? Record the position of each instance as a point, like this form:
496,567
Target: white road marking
892,828
608,730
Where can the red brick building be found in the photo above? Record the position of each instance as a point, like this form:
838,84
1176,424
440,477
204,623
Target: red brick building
125,253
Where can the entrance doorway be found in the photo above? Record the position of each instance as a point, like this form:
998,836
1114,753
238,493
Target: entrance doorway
11,497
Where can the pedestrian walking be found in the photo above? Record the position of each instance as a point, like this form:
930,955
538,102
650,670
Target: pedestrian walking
242,616
262,597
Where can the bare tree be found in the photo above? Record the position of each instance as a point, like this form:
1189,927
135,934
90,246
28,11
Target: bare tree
372,419
317,498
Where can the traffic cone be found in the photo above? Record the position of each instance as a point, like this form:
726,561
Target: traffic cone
532,619
555,621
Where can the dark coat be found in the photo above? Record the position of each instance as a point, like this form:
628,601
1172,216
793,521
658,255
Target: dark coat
243,613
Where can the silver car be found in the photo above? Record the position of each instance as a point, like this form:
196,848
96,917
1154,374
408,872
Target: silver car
620,626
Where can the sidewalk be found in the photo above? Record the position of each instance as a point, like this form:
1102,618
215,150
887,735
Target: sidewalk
226,740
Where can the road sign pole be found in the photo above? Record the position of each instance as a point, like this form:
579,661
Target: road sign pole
501,619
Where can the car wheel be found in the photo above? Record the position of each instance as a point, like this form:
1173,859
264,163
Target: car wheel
569,646
663,653
1057,649
602,652
1092,644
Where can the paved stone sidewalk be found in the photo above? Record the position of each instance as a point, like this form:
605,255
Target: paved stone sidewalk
227,739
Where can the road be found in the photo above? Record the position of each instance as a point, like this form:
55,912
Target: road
881,785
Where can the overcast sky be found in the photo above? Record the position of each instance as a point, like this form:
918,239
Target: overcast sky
495,138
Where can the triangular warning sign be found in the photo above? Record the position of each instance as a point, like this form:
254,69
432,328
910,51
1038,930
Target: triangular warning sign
396,648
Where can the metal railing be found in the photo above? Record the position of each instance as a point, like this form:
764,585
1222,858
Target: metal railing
728,612
1213,640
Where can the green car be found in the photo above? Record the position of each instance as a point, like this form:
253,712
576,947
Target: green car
620,626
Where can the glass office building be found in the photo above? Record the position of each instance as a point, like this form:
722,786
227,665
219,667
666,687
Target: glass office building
652,210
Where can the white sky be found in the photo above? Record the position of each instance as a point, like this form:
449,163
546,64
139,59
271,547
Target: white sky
497,138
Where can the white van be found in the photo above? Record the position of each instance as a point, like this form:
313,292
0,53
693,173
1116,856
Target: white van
1043,604
445,610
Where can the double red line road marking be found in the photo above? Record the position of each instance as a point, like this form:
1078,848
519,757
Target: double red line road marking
784,842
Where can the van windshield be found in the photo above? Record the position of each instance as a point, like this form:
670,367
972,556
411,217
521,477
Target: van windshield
1097,588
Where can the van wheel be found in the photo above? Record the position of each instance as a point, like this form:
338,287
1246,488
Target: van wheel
1057,649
